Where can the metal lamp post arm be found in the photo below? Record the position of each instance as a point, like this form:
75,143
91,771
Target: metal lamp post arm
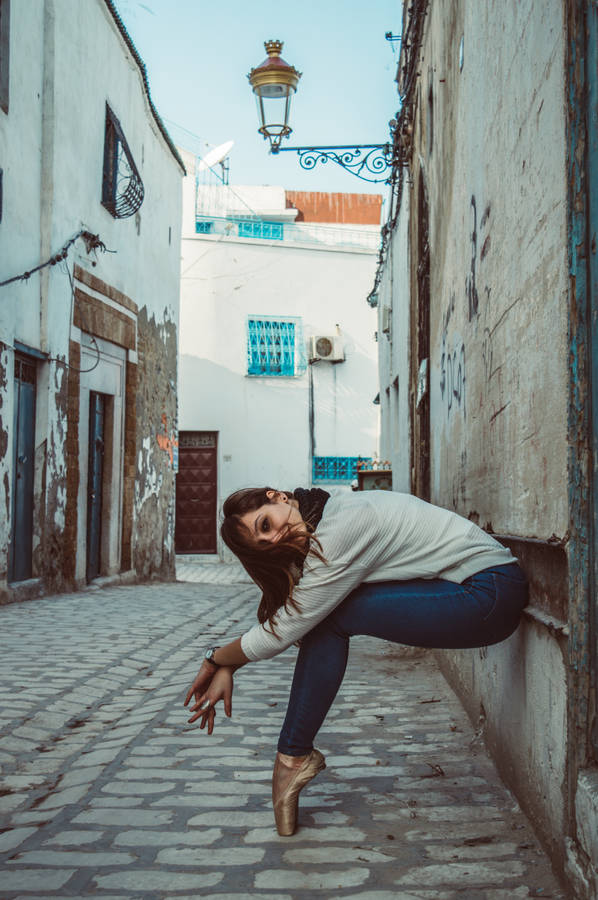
377,161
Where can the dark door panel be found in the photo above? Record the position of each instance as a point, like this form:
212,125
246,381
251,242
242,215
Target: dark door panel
196,493
95,480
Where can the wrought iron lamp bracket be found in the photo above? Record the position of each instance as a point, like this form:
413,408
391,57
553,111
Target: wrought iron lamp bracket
377,161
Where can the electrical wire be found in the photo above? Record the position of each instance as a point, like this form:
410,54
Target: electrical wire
92,337
92,243
412,34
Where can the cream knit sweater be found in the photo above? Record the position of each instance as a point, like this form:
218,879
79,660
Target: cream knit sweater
376,536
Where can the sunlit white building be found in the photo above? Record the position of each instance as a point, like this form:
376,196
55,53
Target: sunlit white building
277,366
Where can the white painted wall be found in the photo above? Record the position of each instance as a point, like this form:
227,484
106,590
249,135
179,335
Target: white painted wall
393,353
262,422
66,61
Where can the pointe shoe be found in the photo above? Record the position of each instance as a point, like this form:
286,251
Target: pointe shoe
286,785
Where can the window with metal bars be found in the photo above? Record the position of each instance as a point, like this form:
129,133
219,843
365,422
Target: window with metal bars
336,468
122,187
275,346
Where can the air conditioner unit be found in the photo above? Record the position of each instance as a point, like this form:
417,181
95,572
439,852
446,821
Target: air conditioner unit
326,347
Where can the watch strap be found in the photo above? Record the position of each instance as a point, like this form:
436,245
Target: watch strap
209,656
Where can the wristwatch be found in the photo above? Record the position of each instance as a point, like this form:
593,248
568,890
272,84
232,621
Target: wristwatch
209,655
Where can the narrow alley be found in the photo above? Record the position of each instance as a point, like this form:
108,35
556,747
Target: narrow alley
108,793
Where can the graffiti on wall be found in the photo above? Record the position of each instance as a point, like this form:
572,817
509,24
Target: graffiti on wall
452,362
452,376
471,287
169,444
470,280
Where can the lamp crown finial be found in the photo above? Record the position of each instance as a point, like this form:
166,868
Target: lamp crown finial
273,48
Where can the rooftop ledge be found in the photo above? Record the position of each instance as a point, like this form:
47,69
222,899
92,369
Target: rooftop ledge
316,236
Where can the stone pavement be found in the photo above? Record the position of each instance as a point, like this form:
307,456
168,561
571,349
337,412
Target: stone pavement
108,793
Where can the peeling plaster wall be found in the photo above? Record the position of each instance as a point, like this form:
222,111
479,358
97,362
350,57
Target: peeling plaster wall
489,144
53,545
20,142
5,468
52,150
153,542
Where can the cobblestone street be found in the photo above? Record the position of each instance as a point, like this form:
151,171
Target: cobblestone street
108,793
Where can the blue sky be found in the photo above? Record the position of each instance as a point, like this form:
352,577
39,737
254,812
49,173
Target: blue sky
198,54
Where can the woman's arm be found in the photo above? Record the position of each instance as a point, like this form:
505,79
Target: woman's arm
231,655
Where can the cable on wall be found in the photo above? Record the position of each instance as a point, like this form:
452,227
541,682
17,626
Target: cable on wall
92,242
414,16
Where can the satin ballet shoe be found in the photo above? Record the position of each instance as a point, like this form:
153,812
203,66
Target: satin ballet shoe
286,786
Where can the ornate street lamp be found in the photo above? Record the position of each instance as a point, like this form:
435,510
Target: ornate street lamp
274,82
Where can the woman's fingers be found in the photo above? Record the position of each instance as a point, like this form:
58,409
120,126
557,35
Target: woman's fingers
211,717
196,690
201,682
201,708
208,715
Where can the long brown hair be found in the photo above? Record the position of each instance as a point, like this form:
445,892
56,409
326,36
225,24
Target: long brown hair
274,567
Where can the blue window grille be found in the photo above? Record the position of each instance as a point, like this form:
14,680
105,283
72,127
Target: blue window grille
270,231
336,468
204,227
271,347
275,346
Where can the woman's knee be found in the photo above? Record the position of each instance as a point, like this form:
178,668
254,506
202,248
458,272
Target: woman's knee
329,631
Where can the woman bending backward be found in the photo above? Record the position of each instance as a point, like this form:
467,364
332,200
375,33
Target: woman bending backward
378,563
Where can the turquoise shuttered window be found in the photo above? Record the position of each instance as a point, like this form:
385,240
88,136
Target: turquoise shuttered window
274,346
336,468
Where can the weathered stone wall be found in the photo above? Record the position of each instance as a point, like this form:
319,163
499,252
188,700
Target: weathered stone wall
156,433
489,162
491,147
5,449
56,551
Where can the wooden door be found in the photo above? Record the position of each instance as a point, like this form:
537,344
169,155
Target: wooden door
196,493
95,483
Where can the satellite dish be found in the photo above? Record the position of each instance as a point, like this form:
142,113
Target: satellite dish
213,157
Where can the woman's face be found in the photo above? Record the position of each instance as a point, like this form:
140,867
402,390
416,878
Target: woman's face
272,520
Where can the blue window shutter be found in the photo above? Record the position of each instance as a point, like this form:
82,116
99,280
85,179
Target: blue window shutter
270,347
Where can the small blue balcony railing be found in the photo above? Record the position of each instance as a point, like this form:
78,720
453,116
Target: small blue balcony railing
268,231
335,237
337,468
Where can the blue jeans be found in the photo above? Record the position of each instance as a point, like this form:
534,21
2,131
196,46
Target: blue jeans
484,609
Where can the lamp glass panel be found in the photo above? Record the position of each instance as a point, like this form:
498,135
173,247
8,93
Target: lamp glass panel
274,90
273,112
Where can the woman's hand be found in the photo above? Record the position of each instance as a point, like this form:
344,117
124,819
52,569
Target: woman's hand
220,687
202,681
